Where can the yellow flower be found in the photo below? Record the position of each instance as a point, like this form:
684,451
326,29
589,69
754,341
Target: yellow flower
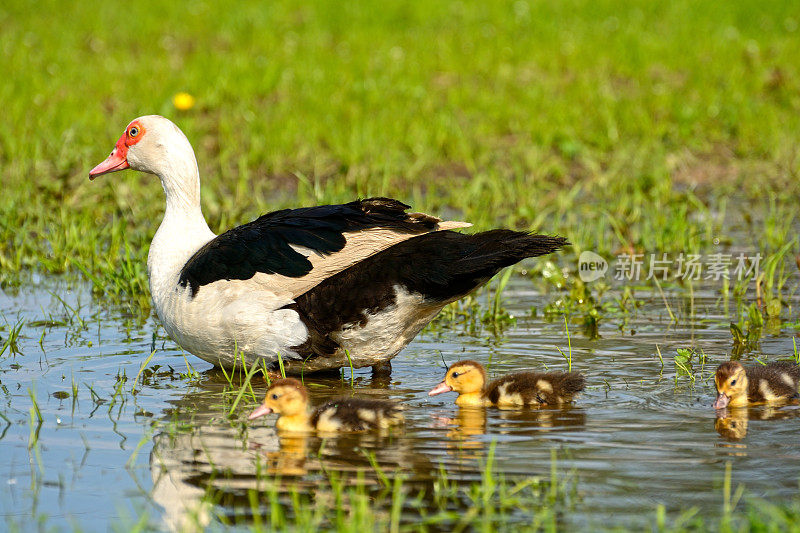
183,101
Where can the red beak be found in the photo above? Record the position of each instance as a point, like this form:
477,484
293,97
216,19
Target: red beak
440,389
118,160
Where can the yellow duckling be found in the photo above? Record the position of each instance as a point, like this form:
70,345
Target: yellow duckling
771,383
523,389
289,399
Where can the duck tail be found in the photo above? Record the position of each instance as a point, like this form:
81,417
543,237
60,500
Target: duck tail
573,382
456,263
502,247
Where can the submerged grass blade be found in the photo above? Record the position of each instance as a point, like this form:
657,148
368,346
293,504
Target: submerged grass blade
245,385
569,344
146,437
35,404
141,369
352,372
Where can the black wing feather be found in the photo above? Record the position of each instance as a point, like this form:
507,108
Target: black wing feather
264,245
441,265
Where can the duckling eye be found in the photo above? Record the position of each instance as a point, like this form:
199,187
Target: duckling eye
455,374
134,131
733,382
274,396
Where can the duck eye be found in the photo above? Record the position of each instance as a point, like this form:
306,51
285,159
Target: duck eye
134,131
274,396
733,382
455,374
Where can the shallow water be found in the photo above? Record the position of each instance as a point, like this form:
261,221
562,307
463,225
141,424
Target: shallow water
635,439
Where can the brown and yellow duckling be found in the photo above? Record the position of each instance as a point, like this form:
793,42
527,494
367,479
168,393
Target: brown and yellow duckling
738,386
522,389
289,399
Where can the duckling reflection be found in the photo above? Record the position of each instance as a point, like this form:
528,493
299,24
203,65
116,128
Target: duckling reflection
289,459
469,423
535,421
733,423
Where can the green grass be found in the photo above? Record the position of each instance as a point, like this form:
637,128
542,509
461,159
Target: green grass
634,127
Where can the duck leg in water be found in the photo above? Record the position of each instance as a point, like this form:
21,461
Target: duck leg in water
383,369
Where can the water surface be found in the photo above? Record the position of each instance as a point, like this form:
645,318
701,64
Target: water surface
637,438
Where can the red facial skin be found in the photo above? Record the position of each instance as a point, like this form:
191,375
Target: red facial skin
118,160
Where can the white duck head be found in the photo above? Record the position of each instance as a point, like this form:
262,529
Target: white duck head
155,145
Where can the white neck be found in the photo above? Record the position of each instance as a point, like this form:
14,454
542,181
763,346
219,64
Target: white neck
180,179
183,230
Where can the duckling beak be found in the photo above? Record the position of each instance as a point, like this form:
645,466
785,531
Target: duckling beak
722,401
440,388
258,413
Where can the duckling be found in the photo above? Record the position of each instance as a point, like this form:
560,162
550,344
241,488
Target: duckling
289,398
771,383
523,389
732,423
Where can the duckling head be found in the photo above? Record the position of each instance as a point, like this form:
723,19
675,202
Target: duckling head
731,382
464,377
287,397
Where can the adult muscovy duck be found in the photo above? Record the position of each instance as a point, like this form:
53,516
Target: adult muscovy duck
320,287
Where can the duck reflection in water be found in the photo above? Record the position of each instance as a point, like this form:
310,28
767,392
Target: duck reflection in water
469,429
465,429
289,459
732,423
535,421
199,458
471,422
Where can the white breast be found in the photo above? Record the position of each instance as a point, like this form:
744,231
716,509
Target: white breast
223,317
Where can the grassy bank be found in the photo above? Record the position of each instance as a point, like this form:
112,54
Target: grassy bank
624,127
